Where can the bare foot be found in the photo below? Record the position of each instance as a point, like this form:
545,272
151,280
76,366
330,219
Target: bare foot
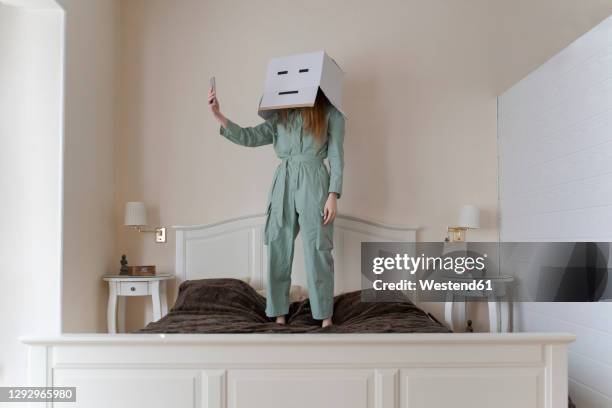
327,322
280,319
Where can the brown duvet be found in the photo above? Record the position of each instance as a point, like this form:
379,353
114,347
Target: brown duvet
233,306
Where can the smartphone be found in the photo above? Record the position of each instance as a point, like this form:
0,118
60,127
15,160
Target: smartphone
213,86
212,83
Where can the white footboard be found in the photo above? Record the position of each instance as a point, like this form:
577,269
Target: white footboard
516,370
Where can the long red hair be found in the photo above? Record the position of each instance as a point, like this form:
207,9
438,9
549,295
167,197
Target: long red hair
314,119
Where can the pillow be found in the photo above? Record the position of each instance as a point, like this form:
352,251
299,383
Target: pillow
218,296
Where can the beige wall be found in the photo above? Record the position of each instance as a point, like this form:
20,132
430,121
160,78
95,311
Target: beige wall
92,34
420,92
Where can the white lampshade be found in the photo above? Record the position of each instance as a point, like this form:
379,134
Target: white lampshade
469,216
135,214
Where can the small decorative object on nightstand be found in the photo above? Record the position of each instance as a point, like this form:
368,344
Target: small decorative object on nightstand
141,270
121,285
469,328
124,268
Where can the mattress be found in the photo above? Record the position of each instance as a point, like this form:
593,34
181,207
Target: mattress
233,306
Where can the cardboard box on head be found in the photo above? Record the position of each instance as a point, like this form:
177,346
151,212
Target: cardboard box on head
293,82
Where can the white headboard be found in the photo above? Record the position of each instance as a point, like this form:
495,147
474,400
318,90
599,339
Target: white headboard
235,249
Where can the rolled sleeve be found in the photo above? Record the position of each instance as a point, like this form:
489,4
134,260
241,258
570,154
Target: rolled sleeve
231,130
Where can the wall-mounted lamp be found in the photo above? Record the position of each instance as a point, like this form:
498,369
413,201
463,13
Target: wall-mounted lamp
469,218
136,217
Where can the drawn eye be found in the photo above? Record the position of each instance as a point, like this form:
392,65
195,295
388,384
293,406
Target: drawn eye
287,92
282,72
303,70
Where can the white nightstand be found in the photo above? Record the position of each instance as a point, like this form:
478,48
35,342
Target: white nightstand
499,302
123,285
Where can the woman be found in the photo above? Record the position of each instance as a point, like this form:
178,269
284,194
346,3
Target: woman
303,197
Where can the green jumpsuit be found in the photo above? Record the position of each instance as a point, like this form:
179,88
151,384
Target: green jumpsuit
299,191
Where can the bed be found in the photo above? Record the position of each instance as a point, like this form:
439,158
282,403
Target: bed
305,369
226,305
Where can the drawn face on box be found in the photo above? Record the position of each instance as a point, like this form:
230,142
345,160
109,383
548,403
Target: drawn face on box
293,82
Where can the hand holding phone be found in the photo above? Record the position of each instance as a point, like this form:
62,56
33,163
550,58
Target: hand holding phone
213,91
213,103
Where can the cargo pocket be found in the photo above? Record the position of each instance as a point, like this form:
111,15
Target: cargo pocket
325,236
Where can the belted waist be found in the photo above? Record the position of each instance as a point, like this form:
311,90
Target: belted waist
280,181
301,158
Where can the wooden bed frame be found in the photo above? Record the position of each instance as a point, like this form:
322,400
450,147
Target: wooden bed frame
509,370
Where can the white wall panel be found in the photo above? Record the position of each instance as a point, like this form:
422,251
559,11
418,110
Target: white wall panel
555,149
31,91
